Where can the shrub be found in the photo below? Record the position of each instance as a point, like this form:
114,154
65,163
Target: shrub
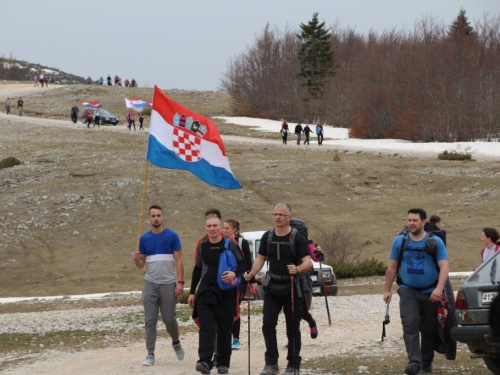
456,154
9,162
367,267
183,298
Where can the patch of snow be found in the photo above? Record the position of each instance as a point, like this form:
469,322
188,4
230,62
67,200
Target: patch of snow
340,137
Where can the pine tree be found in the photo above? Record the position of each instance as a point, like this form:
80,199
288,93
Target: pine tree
461,28
315,55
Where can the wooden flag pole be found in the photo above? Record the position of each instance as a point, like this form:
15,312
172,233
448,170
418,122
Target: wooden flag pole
143,203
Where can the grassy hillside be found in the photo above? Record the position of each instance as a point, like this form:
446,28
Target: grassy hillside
69,214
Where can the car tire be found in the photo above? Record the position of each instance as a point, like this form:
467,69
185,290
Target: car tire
493,364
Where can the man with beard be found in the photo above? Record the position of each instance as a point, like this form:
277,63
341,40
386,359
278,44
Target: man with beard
213,304
160,249
423,271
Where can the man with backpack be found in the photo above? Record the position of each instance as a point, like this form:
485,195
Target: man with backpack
288,256
420,262
212,303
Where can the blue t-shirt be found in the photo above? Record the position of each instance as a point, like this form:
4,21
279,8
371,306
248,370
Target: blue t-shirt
418,270
159,250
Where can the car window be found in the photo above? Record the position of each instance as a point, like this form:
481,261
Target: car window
105,113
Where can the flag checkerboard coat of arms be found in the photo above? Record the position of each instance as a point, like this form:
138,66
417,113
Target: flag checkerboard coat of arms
186,145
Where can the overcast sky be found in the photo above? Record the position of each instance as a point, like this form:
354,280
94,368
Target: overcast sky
185,44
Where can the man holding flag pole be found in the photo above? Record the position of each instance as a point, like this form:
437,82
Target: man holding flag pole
182,139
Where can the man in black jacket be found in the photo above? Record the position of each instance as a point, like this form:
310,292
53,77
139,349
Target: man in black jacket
211,302
288,256
298,132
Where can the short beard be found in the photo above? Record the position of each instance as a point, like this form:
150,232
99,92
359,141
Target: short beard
156,226
417,231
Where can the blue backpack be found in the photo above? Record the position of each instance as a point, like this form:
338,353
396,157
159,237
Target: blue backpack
227,262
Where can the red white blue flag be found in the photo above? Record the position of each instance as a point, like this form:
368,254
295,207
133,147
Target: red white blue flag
182,139
137,104
92,104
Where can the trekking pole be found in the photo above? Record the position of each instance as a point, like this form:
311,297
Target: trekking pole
324,292
386,321
292,282
248,314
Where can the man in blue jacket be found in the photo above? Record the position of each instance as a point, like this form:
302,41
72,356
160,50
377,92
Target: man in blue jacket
423,270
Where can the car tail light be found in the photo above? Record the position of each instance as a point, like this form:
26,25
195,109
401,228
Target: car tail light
461,302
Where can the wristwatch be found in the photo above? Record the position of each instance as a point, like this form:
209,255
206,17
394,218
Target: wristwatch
182,282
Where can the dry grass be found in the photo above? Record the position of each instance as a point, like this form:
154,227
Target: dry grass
369,193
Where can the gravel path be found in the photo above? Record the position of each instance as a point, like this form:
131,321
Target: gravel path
355,329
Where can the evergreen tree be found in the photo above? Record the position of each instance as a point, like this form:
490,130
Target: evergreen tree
461,27
315,55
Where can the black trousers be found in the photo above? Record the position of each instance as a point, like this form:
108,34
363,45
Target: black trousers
320,139
307,139
274,302
222,313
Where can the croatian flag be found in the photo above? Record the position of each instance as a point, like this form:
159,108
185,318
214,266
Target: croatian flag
92,104
137,104
181,139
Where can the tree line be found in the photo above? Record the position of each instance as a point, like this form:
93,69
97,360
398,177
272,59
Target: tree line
436,82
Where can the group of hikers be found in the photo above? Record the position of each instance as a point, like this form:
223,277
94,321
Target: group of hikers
224,272
42,78
299,130
117,81
130,116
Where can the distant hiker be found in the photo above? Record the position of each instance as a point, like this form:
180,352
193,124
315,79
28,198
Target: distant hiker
133,83
421,266
41,78
7,106
284,131
97,117
213,303
126,82
307,131
127,117
298,132
20,104
232,228
117,79
35,81
160,248
131,117
89,80
281,291
109,80
47,79
490,238
141,121
74,113
319,133
101,81
88,116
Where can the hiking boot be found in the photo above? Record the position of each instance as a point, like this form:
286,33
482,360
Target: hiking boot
203,367
236,344
426,368
290,370
314,330
412,369
179,351
149,361
223,370
270,370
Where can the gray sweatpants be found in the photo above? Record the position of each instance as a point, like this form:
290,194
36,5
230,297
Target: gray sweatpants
159,297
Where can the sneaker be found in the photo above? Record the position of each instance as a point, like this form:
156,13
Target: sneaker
179,351
270,370
290,370
223,370
314,330
203,367
236,344
149,361
412,369
426,368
